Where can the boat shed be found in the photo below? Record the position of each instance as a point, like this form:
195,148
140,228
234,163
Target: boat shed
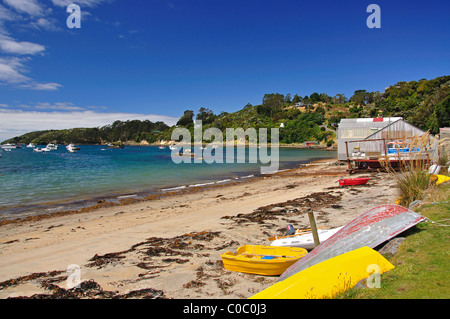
444,148
360,128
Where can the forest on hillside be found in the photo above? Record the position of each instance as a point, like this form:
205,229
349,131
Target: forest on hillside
423,103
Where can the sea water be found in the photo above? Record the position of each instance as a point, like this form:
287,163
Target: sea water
33,183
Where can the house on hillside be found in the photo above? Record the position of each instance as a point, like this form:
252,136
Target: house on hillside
388,128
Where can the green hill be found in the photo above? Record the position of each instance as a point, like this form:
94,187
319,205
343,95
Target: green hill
119,131
423,103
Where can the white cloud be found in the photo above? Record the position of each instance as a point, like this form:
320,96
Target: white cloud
10,45
6,14
32,7
81,3
17,122
41,86
48,24
12,70
61,106
11,73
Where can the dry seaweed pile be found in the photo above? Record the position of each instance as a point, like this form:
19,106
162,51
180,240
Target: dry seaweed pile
156,254
290,208
86,290
92,290
27,278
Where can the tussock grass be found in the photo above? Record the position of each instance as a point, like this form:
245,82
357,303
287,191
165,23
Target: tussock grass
412,184
412,178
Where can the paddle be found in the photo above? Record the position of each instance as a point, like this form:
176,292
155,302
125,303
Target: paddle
248,254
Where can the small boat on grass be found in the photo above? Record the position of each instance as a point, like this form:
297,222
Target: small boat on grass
262,260
353,181
439,178
330,277
303,239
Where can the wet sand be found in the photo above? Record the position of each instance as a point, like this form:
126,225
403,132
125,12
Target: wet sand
170,246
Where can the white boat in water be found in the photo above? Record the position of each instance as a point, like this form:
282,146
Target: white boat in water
72,148
40,149
304,240
172,147
9,146
52,146
31,145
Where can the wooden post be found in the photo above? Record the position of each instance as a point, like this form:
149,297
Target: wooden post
348,158
312,221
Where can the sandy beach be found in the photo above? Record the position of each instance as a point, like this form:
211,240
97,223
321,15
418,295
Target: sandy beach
170,246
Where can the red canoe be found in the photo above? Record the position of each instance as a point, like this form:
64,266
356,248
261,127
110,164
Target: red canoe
353,181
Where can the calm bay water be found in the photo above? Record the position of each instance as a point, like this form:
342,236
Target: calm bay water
33,183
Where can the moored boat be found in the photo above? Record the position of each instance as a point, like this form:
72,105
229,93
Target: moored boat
9,146
52,147
262,260
353,181
72,148
40,149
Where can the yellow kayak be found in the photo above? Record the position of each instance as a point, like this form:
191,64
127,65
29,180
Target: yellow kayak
440,178
262,260
330,277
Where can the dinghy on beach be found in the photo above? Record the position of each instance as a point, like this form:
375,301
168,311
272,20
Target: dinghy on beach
353,181
262,260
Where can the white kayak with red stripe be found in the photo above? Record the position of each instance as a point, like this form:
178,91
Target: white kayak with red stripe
305,240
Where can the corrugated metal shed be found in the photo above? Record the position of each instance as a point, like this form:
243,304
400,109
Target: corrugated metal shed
399,129
444,137
359,129
371,229
373,128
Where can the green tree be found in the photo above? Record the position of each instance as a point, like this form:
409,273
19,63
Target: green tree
339,99
272,103
187,118
315,97
296,99
362,97
287,99
443,113
205,115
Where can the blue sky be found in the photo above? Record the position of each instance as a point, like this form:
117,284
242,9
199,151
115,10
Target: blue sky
156,58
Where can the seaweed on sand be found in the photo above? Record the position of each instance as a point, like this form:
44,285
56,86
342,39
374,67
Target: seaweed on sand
289,208
92,290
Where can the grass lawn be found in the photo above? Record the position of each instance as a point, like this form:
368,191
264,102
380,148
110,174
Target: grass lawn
422,262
